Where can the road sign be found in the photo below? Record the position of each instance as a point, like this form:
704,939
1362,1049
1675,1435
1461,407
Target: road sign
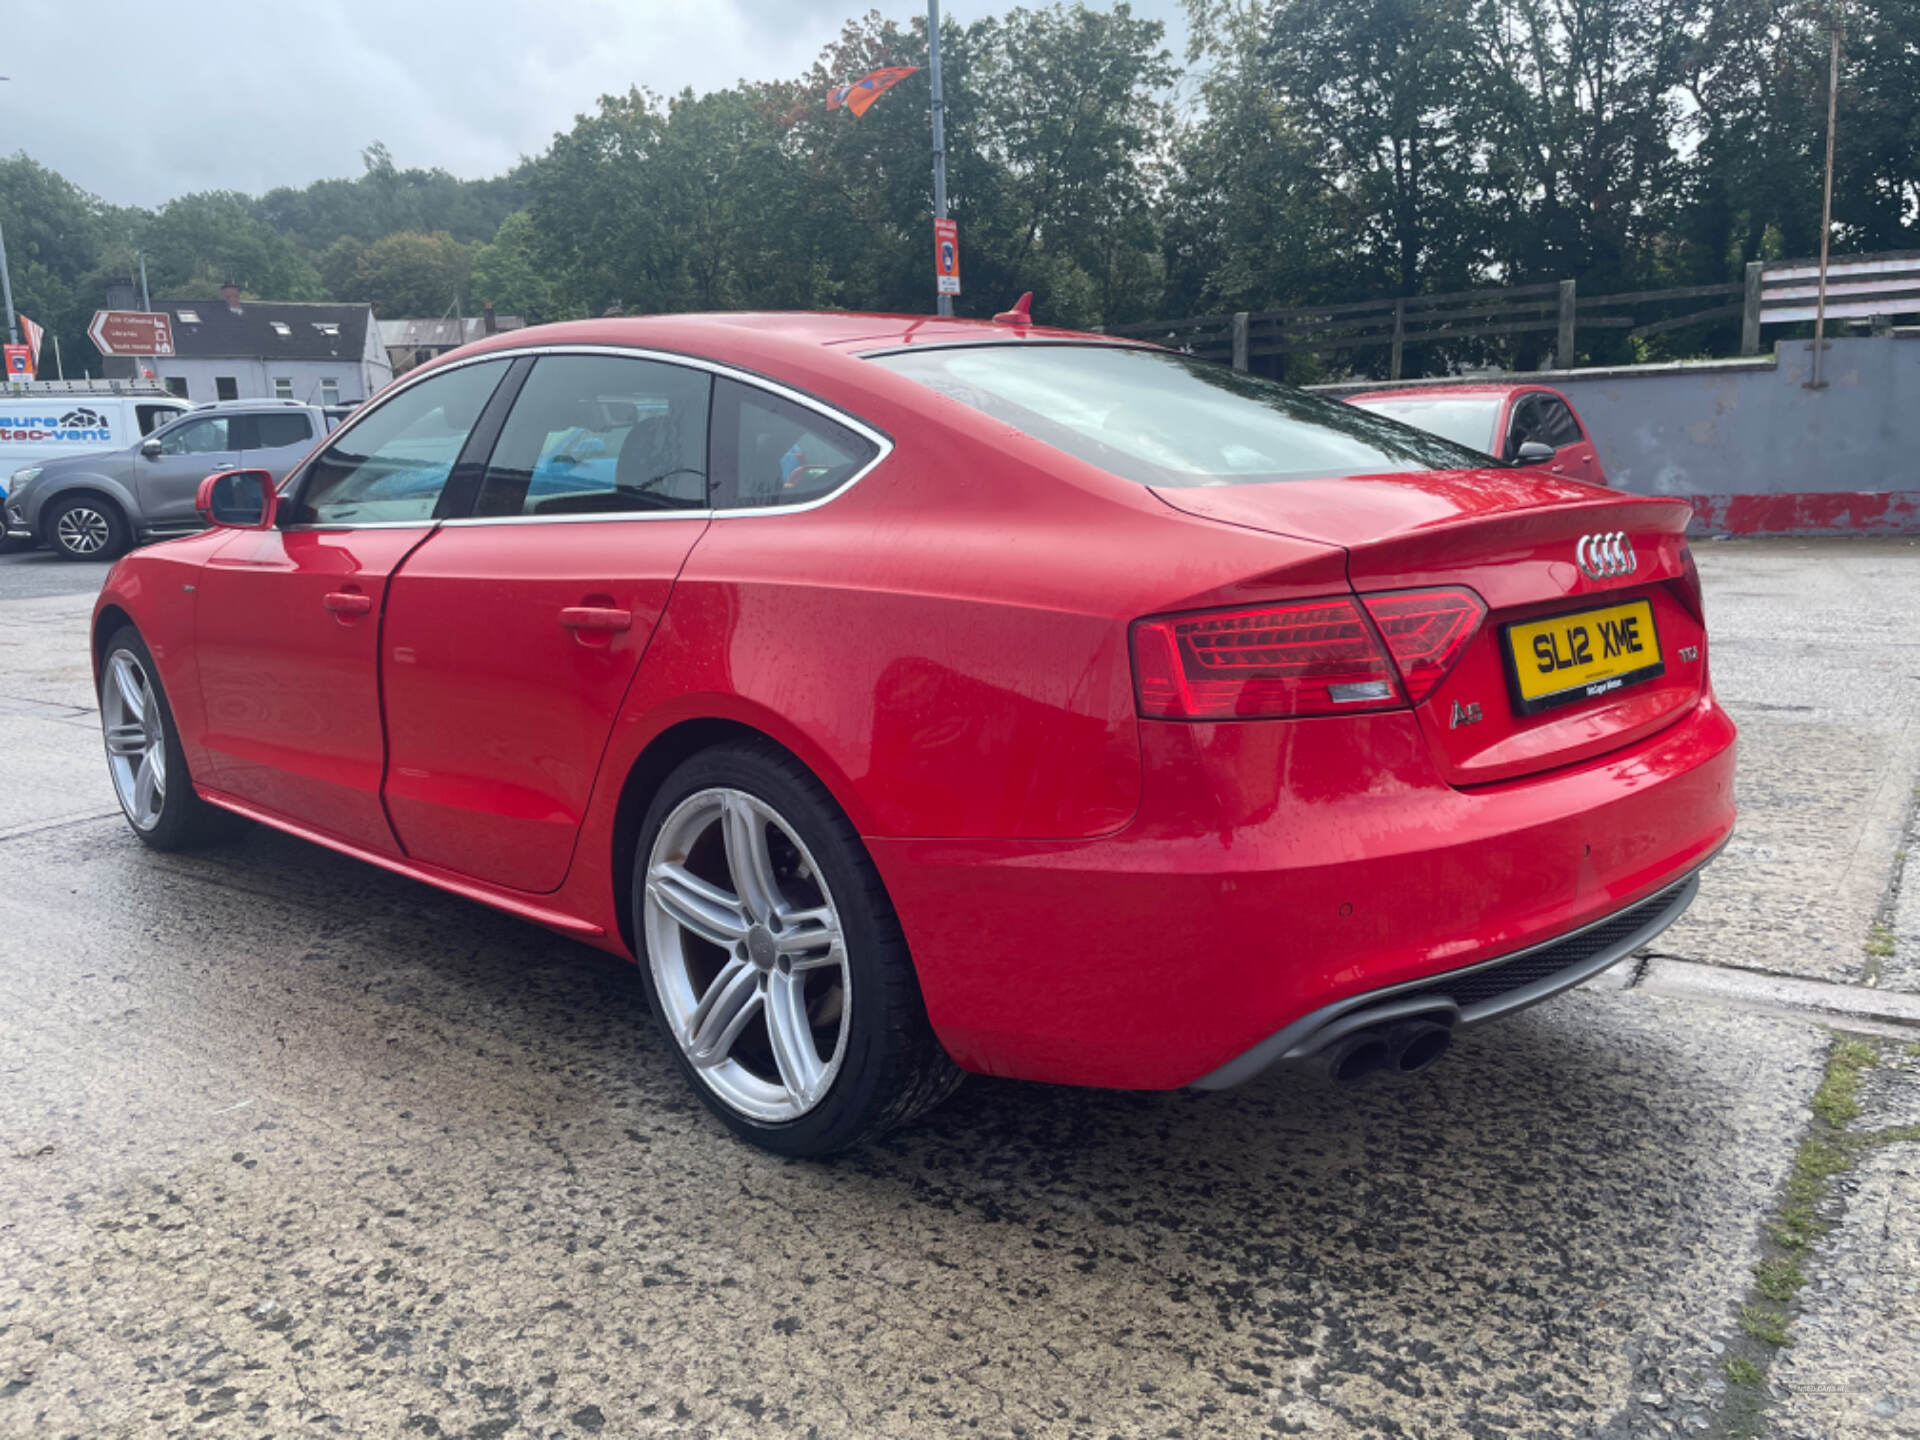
946,257
19,361
132,332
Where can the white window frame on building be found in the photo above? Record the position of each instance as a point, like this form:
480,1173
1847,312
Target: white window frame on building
329,391
283,387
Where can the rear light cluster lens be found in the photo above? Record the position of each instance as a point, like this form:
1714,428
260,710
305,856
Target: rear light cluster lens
1425,630
1689,586
1320,657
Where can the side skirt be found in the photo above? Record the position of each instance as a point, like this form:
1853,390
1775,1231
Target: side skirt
446,880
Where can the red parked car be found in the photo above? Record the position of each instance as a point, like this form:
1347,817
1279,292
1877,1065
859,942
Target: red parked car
1520,424
912,697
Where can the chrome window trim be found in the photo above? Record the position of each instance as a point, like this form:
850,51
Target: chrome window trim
882,442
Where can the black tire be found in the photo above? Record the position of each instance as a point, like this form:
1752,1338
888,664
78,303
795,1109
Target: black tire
88,527
893,1068
185,821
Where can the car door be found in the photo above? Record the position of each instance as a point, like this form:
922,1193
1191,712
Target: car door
512,635
287,621
280,439
171,463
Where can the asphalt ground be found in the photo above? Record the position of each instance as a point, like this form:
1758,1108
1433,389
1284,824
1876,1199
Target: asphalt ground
289,1146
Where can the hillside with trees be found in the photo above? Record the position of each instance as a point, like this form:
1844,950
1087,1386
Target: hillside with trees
1302,151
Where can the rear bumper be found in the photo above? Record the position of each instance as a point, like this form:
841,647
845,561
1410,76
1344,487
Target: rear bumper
1463,998
1278,871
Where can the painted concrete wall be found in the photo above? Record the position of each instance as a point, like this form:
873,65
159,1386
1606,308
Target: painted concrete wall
1753,448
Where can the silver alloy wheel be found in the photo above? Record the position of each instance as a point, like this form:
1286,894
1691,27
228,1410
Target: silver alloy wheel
82,530
136,739
747,954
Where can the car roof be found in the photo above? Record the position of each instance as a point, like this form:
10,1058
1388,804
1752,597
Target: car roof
1472,388
806,339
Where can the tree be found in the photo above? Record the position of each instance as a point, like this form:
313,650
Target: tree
198,243
57,243
410,274
506,273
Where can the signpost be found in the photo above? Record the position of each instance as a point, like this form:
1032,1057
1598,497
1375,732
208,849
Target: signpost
944,289
132,332
19,361
946,257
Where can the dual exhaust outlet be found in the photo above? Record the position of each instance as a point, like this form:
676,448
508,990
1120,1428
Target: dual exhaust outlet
1404,1047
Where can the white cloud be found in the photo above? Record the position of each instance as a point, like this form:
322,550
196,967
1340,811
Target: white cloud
245,95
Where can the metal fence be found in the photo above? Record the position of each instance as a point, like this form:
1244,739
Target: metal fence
1777,293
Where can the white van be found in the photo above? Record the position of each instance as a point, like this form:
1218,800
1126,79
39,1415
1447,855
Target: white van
51,419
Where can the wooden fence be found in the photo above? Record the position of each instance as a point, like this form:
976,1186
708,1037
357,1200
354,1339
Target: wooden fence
1775,293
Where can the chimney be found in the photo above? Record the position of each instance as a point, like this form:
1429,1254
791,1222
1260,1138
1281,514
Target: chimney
230,293
488,325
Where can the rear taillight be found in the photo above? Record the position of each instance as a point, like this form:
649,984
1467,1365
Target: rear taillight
1426,631
1688,586
1316,658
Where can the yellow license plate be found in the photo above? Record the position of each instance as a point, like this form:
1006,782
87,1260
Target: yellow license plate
1582,656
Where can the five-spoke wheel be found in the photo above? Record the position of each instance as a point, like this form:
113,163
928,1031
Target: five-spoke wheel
774,960
144,758
136,739
747,953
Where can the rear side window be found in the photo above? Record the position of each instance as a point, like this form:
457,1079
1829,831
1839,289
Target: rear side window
394,463
770,451
1162,419
601,434
276,430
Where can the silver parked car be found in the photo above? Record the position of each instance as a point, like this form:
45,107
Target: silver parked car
97,505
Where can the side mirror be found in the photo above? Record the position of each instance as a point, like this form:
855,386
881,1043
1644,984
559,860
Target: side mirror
238,500
150,447
1534,452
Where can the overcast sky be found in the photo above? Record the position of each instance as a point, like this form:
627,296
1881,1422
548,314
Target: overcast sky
247,95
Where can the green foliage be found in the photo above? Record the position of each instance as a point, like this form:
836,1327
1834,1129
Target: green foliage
1314,151
198,243
409,274
507,275
1742,1371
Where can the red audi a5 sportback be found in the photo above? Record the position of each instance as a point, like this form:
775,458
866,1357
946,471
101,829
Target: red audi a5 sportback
915,697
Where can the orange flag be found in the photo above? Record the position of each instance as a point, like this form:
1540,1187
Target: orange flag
862,93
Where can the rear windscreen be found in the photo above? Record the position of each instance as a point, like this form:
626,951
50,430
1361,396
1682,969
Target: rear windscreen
1164,419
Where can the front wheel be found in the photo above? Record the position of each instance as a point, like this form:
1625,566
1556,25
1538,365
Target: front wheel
774,960
86,528
144,758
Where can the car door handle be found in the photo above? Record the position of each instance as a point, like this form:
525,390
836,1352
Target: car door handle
342,603
595,617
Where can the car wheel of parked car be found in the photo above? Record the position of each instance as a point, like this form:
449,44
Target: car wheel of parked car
87,528
144,758
774,960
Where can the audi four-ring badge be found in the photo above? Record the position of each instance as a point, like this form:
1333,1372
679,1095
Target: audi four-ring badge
910,697
1605,557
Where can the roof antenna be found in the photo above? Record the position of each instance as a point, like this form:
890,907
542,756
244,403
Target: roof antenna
1020,314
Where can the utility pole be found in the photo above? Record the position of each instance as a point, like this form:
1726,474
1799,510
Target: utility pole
145,302
6,289
1826,207
944,302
